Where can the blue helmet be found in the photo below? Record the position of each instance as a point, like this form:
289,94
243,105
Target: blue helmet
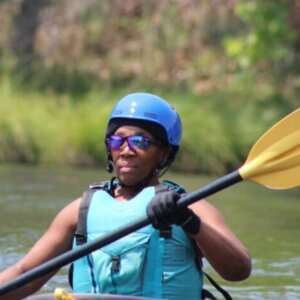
151,109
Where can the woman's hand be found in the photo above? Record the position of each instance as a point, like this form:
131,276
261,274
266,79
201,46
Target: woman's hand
163,212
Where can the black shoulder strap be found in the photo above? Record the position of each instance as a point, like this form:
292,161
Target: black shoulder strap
80,233
81,229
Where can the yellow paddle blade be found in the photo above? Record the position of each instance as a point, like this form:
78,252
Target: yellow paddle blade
274,161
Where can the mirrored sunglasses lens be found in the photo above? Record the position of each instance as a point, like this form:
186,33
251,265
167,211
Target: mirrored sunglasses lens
137,141
115,142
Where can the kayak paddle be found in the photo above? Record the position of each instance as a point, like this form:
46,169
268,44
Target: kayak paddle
274,162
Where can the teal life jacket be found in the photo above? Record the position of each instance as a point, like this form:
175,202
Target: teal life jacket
146,263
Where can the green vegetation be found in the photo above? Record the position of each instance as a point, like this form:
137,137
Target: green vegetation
41,128
231,70
49,128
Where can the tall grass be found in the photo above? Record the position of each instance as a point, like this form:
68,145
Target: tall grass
38,128
45,128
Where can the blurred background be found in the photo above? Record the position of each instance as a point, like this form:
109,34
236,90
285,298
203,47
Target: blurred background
231,69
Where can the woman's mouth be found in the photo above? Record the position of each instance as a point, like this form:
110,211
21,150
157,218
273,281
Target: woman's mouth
127,168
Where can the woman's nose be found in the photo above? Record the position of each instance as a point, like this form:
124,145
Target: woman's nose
125,148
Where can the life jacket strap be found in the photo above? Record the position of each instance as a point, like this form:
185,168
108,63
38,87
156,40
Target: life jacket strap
223,292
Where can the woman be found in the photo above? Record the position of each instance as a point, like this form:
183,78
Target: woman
159,261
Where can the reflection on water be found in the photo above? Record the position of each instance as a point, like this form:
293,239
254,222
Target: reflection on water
266,221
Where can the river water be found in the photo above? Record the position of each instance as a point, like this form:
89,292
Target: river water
267,221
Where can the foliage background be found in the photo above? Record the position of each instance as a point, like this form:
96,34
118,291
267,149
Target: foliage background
231,69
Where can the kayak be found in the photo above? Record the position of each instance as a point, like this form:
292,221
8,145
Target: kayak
61,294
86,297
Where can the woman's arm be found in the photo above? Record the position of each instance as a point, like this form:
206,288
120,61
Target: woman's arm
56,240
219,245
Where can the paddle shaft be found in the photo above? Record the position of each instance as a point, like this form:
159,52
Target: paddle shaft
72,255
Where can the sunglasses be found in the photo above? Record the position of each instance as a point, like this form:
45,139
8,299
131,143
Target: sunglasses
114,142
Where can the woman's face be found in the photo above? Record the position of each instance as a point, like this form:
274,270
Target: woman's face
133,164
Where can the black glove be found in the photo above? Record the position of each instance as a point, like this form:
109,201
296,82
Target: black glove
162,211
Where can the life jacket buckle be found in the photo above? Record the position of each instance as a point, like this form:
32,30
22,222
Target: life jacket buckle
115,264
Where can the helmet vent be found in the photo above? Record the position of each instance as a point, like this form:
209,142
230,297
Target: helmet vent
150,115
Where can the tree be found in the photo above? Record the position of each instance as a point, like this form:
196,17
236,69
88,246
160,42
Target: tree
266,48
26,23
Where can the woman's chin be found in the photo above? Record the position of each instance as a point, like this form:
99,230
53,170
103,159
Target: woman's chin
128,179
